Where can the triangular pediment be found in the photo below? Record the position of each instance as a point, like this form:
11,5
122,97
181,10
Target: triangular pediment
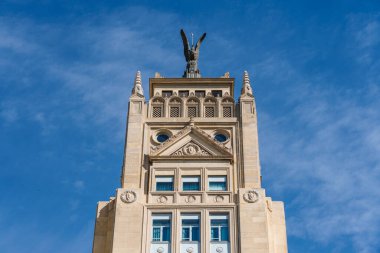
191,142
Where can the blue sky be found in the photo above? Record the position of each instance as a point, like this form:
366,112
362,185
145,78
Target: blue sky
67,69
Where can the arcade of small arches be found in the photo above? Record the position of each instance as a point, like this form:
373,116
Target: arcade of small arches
192,106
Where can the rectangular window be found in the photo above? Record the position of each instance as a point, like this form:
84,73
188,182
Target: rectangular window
219,228
209,112
217,183
174,112
167,93
200,93
227,111
164,183
157,112
217,93
190,227
161,227
192,111
183,93
190,183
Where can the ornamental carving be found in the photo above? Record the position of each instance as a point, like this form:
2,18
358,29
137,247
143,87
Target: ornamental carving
160,250
191,149
219,249
128,196
155,150
251,196
190,250
190,199
162,199
219,198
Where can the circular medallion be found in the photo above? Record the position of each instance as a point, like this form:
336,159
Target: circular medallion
190,250
219,249
251,196
160,250
162,199
219,198
190,199
128,196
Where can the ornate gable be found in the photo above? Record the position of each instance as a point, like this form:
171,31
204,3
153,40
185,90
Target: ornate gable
189,143
191,149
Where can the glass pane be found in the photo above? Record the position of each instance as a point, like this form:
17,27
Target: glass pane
219,222
156,234
214,234
166,234
224,231
186,234
162,137
191,186
216,93
193,222
220,137
167,93
217,186
164,186
161,223
195,234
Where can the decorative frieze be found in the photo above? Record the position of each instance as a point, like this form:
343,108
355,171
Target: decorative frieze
191,149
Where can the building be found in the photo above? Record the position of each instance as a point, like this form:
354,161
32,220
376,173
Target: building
191,178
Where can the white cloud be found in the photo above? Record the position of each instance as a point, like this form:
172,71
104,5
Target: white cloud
326,150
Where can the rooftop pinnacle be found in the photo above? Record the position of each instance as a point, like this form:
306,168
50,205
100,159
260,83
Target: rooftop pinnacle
137,88
246,89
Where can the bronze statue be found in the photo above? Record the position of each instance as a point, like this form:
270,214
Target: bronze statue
191,55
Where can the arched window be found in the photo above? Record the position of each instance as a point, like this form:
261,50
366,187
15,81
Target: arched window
157,105
228,107
175,107
192,105
210,107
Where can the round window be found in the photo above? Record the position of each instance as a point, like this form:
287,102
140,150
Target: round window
162,137
220,137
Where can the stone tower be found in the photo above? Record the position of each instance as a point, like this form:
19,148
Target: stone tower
191,179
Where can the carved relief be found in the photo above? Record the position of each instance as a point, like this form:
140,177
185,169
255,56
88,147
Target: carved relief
128,196
190,199
191,149
160,250
156,149
162,199
190,249
219,249
251,196
219,198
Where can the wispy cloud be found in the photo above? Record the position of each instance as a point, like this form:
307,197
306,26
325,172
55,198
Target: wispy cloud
326,149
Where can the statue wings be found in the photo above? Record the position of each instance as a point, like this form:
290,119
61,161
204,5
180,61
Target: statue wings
186,46
200,41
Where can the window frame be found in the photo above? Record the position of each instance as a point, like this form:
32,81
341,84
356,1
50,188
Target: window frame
161,228
220,227
212,179
190,177
163,181
191,227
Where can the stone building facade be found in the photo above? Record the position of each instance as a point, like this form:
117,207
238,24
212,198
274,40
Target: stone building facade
191,179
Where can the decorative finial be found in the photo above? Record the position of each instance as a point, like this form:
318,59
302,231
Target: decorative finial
226,75
191,55
246,89
137,88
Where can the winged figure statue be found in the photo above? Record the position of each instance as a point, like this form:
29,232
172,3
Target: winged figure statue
191,55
